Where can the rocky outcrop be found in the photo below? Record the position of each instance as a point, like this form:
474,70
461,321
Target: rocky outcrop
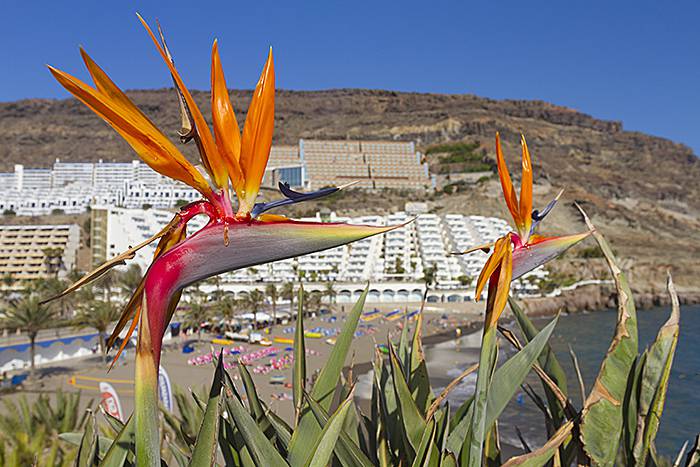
597,297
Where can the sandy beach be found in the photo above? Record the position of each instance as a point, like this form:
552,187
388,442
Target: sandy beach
440,324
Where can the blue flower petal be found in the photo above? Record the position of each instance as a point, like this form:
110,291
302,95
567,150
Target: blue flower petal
292,197
537,216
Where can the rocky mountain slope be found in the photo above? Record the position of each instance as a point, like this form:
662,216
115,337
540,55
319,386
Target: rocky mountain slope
641,190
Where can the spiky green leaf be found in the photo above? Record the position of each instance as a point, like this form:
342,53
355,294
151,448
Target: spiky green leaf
204,452
308,430
299,374
323,450
413,422
122,445
259,446
602,410
348,452
654,383
509,376
547,360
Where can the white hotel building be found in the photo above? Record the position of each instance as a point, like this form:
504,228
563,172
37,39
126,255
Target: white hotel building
71,187
393,263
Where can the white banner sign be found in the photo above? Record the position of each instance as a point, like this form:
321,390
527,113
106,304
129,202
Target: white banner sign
165,393
110,401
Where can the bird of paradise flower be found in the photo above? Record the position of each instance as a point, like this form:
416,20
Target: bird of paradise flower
514,254
517,253
232,239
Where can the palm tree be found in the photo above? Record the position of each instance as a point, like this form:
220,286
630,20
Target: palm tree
227,307
7,282
288,294
253,300
28,315
195,316
98,315
218,292
53,260
272,292
107,282
329,291
429,275
315,301
129,279
51,287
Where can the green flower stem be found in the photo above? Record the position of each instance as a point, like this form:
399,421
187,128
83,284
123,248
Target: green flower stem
483,379
146,403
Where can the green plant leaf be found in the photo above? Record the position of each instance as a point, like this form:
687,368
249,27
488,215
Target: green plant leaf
179,456
390,427
541,456
404,351
460,430
308,430
442,421
283,431
548,362
323,450
254,405
448,460
476,434
348,452
122,445
654,383
602,410
413,422
113,422
426,446
418,379
509,376
492,447
629,409
299,373
231,442
260,448
75,438
88,452
204,452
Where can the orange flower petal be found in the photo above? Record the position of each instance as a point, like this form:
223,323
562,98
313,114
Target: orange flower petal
506,183
107,87
129,333
226,130
257,135
492,264
525,193
497,304
210,155
143,136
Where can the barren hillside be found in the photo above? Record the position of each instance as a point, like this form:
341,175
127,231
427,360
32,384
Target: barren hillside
641,190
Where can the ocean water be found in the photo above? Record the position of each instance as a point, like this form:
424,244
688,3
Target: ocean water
589,334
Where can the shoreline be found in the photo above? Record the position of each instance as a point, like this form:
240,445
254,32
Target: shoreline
596,297
440,323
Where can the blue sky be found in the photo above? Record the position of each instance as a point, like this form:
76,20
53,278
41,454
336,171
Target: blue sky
638,62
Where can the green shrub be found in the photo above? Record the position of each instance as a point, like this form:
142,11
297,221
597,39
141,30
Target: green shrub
29,432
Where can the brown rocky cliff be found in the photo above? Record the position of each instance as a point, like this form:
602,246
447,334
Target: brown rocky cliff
642,191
